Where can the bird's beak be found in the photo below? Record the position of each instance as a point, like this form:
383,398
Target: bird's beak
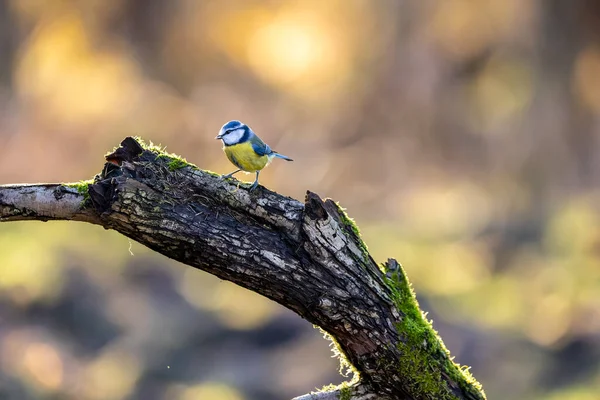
219,136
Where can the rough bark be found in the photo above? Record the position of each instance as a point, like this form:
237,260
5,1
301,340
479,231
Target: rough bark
306,256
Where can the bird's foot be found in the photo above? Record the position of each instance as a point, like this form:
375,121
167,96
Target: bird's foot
254,186
227,176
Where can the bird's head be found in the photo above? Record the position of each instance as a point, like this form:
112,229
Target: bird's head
234,132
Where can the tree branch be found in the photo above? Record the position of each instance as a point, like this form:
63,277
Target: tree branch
43,202
308,257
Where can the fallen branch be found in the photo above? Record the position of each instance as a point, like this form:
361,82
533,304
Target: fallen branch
306,256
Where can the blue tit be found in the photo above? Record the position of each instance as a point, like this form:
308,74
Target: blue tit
245,150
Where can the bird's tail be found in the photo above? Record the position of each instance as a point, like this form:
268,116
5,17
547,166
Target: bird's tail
282,156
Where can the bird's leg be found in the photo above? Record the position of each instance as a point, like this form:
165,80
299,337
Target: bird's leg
231,174
255,184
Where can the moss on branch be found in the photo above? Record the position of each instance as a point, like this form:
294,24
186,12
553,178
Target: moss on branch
423,346
82,188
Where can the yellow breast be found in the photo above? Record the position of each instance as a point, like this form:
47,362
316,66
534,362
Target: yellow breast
243,156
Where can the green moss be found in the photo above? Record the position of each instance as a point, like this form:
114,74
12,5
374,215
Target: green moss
350,224
177,163
345,389
346,368
423,346
345,392
173,161
158,149
81,187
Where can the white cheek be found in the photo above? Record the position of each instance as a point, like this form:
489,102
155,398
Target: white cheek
233,137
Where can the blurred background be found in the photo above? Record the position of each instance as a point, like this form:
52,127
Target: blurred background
463,136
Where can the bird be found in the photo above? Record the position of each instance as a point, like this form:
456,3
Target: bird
246,150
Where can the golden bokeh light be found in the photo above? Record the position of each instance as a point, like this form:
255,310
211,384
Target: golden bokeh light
574,229
464,28
498,304
111,376
587,78
44,364
438,209
579,392
235,307
453,268
460,27
208,390
296,47
33,359
549,320
503,90
29,275
293,49
68,79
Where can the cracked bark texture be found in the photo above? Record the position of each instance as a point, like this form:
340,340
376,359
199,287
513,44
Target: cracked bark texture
305,256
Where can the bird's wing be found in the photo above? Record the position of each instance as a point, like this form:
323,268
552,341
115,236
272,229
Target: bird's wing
260,147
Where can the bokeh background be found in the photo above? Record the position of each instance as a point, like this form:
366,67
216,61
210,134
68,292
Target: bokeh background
463,136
